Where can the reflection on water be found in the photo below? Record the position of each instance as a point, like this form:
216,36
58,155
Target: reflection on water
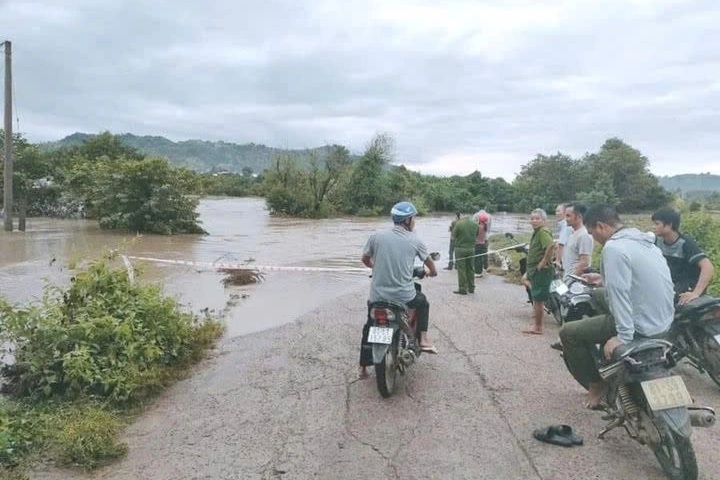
239,231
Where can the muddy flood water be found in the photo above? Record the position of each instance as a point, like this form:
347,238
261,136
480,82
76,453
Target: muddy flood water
240,231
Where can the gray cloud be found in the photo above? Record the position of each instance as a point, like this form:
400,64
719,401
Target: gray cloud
461,85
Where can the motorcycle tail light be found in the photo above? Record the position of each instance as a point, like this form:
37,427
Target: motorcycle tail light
382,315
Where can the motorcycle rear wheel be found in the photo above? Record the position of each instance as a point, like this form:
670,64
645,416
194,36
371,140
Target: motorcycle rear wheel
711,358
386,372
675,454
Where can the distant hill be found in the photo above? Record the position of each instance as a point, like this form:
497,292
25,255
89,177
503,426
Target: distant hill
692,185
201,155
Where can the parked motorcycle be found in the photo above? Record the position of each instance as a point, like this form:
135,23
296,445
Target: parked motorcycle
570,299
695,334
394,337
653,405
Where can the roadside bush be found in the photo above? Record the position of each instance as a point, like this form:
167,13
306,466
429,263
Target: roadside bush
83,356
704,228
104,337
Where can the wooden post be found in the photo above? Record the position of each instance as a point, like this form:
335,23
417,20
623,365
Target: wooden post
8,172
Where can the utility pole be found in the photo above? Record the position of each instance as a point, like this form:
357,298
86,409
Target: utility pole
8,172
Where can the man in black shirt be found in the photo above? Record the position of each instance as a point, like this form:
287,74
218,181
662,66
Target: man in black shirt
690,268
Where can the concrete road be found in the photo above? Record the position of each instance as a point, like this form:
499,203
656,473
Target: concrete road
286,404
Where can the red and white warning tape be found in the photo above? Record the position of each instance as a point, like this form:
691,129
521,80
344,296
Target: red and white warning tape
264,268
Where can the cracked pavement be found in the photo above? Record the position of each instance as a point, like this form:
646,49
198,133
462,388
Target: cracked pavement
286,404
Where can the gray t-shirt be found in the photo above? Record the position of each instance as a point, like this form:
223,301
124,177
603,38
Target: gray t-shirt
394,252
580,242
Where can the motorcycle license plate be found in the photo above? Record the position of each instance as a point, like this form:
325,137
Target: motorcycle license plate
559,287
380,335
664,393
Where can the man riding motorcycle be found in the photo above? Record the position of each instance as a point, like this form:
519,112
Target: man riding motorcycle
639,294
391,254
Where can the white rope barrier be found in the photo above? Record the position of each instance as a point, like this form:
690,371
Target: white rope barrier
265,268
490,252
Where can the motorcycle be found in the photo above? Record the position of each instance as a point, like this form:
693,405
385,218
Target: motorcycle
650,402
653,405
695,334
394,337
570,299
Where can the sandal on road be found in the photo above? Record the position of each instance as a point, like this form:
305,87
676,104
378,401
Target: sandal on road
562,435
428,349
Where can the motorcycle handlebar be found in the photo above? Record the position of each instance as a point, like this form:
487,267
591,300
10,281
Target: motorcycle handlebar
580,279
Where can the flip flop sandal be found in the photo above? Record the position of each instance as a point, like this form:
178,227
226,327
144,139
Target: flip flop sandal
548,435
428,349
567,432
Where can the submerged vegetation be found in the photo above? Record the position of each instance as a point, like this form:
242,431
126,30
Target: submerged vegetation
85,357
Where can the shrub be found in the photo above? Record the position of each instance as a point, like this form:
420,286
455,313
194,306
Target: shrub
104,337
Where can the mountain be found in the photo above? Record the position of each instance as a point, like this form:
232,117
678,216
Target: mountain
201,155
694,185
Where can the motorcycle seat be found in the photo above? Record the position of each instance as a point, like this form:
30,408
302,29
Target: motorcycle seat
640,345
388,304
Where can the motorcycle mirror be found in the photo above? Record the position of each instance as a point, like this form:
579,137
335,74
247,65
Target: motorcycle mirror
435,256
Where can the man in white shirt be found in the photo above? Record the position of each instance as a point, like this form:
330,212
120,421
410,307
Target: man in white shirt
577,254
561,234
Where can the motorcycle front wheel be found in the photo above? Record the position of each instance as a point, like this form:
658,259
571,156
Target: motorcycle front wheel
554,308
386,371
675,454
711,358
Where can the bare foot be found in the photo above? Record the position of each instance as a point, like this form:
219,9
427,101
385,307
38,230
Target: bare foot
532,331
363,373
595,395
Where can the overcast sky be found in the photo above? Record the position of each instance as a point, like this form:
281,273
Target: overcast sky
461,85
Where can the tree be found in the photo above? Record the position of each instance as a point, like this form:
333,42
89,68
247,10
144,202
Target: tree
34,188
367,190
545,182
628,170
325,174
144,196
124,190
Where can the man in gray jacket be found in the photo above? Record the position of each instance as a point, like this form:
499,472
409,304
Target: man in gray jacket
639,294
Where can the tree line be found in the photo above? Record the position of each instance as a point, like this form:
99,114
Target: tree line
617,174
103,179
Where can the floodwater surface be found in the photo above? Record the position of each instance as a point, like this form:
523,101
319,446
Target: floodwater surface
240,232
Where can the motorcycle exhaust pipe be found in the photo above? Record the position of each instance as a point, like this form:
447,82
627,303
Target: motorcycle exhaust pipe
702,417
